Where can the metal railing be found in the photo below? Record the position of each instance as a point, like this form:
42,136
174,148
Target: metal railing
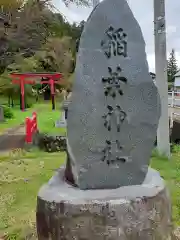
174,103
174,98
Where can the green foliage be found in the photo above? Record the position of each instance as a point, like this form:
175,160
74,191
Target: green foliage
169,171
27,30
44,42
175,148
172,67
29,105
59,28
21,65
8,112
170,85
10,4
78,2
56,55
156,154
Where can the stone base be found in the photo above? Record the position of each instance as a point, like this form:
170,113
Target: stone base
128,213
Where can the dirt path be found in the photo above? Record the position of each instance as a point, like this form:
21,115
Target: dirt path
13,138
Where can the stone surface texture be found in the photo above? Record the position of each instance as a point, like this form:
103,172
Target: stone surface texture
127,213
86,133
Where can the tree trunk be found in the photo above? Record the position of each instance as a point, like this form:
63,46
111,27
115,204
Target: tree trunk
20,101
37,97
12,101
21,104
53,102
25,102
9,100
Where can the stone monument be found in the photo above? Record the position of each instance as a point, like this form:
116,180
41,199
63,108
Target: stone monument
62,122
107,190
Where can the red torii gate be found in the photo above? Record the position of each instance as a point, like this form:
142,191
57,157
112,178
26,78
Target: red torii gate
21,79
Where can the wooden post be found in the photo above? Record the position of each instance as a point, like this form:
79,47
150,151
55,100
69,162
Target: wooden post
22,92
53,102
163,143
21,81
28,130
35,121
52,83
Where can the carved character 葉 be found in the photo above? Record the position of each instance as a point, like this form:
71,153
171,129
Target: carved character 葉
113,82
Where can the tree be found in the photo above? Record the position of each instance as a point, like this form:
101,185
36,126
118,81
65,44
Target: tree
12,91
32,23
172,67
8,4
80,28
78,2
27,30
36,40
56,55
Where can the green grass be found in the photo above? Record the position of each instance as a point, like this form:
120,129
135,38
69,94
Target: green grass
46,118
170,171
19,117
19,185
24,175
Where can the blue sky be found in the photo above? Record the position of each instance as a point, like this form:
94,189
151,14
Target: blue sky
143,11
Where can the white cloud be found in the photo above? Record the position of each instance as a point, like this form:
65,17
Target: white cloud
151,62
171,30
72,12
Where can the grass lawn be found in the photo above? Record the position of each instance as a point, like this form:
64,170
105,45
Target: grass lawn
19,185
19,117
22,178
170,171
46,118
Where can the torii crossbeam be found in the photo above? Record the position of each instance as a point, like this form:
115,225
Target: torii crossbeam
21,79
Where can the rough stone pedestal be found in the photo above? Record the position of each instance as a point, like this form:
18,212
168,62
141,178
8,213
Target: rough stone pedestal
127,213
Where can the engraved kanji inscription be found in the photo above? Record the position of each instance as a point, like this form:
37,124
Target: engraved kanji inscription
117,113
113,82
120,117
108,117
108,156
115,42
107,153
